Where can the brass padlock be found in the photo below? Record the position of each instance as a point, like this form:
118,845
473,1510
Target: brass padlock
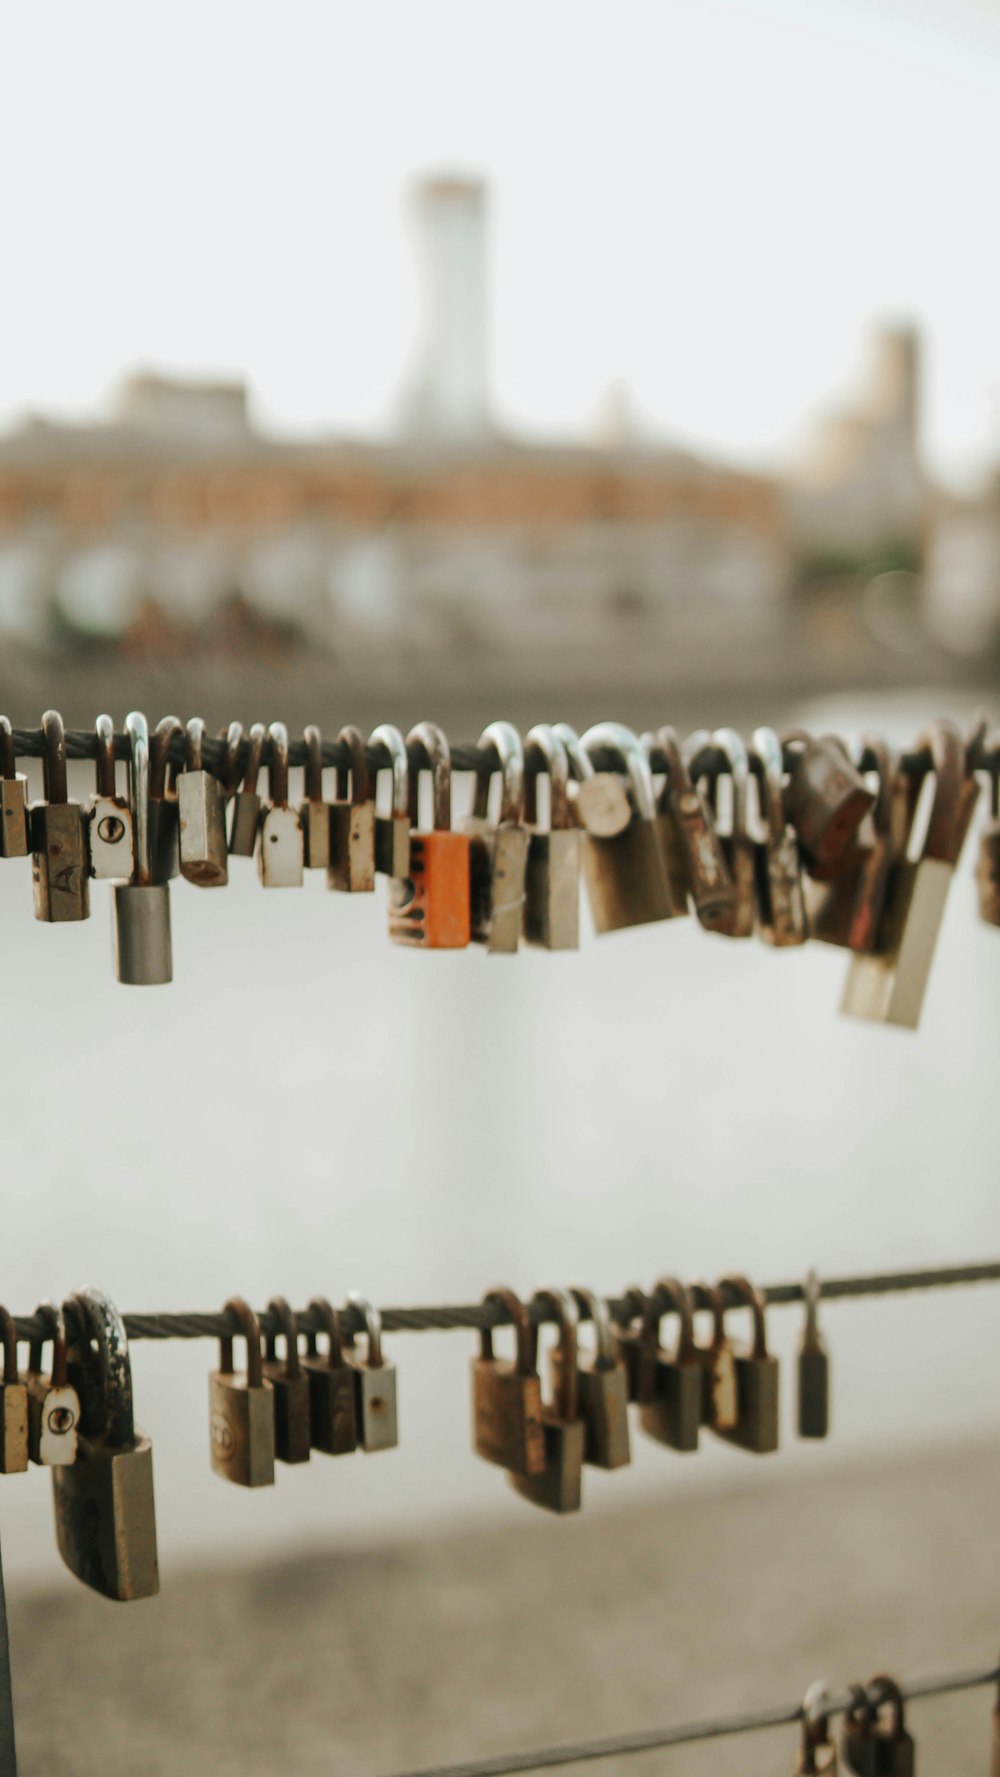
333,1408
105,1513
201,813
314,812
695,861
846,909
988,865
498,848
598,799
756,1427
352,821
813,1368
375,1383
558,1487
110,838
627,1336
825,798
624,875
781,908
164,815
720,1405
392,830
889,986
290,1387
14,835
702,753
817,1752
552,875
244,822
280,858
430,908
601,1389
671,1384
241,1408
60,868
13,1404
53,1402
141,907
507,1397
875,1740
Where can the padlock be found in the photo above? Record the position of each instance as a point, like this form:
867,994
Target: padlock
201,811
988,865
110,838
333,1407
290,1386
671,1385
781,908
13,1404
825,799
281,853
375,1383
817,1752
599,800
141,908
352,821
244,822
164,815
627,1337
624,875
693,856
601,1389
875,1740
498,849
53,1402
719,1405
430,908
241,1408
392,830
814,1368
738,919
552,874
846,908
756,1427
105,1514
507,1397
60,868
14,834
314,812
889,986
557,1488
857,1737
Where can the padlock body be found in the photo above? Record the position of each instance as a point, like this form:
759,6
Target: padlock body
242,1430
14,836
110,838
352,847
378,1419
628,1351
889,987
735,918
558,1488
625,879
106,1519
820,1761
280,856
429,909
706,871
720,1409
392,845
988,874
333,1408
602,1404
315,819
53,1421
60,868
781,909
602,805
164,839
825,800
507,1416
830,907
292,1441
13,1428
552,889
814,1391
244,824
670,1406
756,1427
671,844
201,813
498,858
141,934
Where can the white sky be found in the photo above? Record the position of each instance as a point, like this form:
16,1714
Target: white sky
707,198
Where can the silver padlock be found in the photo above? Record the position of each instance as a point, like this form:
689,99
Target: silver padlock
352,821
392,830
60,868
498,850
280,859
141,908
244,826
164,818
109,818
599,799
314,813
13,799
378,1419
781,907
552,878
625,876
201,810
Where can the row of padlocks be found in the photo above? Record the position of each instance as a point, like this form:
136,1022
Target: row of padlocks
783,842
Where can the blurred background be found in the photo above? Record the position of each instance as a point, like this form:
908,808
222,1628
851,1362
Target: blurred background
536,361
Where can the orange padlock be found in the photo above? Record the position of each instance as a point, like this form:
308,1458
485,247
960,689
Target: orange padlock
430,907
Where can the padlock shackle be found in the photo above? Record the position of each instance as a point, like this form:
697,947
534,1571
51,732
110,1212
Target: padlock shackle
8,1335
545,753
430,745
636,1301
614,737
277,770
730,744
569,1319
385,735
815,1726
706,1298
48,1311
579,763
104,730
751,1298
194,740
596,1307
765,754
523,1329
8,760
373,1328
671,1292
886,1692
330,1322
288,1329
229,777
360,778
678,777
312,777
54,757
249,1327
100,1319
255,754
139,778
943,741
159,749
505,742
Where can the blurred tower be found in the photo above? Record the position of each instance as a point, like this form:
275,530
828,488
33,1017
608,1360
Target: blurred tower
449,398
895,383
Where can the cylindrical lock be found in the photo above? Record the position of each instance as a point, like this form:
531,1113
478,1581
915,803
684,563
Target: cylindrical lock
141,907
109,817
60,868
392,830
201,812
13,799
552,875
